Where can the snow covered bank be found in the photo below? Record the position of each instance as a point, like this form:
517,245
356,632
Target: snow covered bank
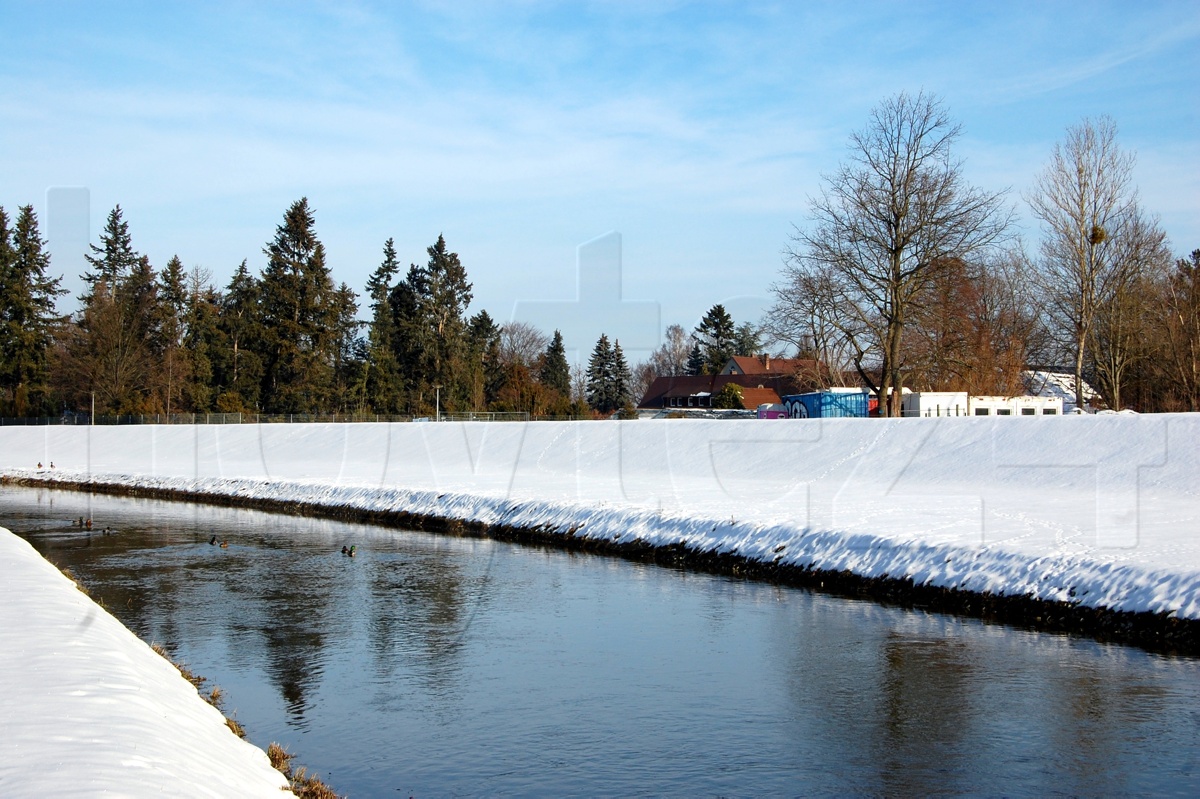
1098,511
86,708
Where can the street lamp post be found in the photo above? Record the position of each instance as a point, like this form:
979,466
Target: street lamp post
437,403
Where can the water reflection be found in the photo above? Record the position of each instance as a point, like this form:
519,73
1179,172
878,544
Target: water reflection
436,666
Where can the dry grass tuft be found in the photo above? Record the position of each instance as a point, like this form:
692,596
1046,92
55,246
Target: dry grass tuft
304,785
281,759
235,727
70,575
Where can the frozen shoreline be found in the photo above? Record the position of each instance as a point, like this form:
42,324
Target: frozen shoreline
1103,512
90,709
1092,520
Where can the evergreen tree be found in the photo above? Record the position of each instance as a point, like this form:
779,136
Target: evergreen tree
746,340
716,336
114,259
238,364
350,354
383,384
600,370
555,372
202,341
449,294
620,380
695,361
27,316
430,337
113,352
409,339
299,317
485,374
173,309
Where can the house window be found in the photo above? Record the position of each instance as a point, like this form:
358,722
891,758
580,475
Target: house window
1049,411
1029,411
982,411
1004,412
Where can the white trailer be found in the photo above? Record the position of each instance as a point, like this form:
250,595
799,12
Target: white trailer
1016,406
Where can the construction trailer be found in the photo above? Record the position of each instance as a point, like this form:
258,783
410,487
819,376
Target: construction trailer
830,403
1016,406
934,403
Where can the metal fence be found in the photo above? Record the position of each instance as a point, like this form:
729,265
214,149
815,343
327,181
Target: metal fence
258,418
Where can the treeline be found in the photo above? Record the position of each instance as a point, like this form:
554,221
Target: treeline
286,341
905,275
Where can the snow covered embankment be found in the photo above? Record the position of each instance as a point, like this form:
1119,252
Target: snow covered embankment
87,708
1098,511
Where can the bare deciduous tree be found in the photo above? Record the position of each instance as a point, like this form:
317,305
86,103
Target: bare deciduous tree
1085,201
883,223
1175,320
522,343
1122,334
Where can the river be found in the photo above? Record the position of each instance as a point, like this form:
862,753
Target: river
431,665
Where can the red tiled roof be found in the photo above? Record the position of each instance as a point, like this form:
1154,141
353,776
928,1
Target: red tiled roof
664,388
753,397
766,365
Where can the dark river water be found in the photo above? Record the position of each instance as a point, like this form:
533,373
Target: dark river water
437,666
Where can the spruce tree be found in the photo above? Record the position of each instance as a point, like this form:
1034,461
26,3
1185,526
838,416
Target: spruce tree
172,310
237,366
599,392
202,341
383,389
485,374
716,335
114,259
620,381
449,294
27,316
299,321
555,372
695,361
350,354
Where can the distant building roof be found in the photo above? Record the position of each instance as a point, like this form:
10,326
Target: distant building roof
766,365
1046,383
753,397
676,391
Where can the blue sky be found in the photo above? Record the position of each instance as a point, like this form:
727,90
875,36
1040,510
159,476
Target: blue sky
522,130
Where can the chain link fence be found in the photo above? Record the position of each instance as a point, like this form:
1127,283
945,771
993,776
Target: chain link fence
258,418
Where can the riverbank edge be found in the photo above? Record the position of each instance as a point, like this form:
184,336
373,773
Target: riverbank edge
1160,633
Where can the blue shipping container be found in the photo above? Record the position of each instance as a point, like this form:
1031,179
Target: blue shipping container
827,404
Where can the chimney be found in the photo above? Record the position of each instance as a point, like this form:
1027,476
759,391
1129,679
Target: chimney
765,359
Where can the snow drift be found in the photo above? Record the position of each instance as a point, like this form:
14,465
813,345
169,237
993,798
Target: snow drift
1101,511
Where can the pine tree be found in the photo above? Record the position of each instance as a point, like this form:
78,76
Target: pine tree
299,318
555,372
27,315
